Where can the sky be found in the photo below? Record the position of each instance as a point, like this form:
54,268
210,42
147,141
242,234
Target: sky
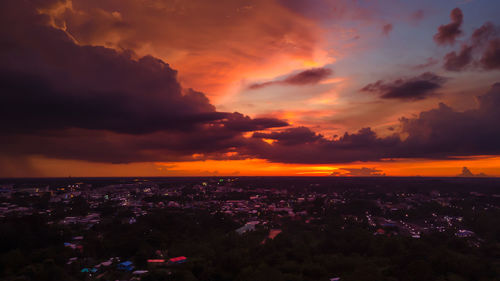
249,88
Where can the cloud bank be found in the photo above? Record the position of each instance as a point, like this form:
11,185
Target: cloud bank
438,133
67,100
414,88
481,50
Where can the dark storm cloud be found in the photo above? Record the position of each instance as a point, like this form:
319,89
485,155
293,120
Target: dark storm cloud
110,147
449,32
290,136
479,51
49,82
438,133
239,122
415,88
443,131
33,102
363,145
306,77
63,100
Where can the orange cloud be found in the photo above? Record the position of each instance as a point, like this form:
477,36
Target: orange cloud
212,44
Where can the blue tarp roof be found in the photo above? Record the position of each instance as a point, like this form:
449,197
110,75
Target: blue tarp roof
126,265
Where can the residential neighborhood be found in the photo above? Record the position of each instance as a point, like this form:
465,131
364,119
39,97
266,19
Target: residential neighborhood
128,228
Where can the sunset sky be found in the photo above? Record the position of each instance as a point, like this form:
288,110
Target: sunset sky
249,87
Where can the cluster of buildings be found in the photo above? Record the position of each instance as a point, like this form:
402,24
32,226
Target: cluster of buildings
247,205
405,213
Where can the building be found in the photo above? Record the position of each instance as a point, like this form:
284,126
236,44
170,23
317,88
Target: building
177,260
126,265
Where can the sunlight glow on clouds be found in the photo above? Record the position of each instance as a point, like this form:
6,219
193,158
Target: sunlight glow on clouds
247,87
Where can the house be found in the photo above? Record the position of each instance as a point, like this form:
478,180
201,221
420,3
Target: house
462,233
177,260
273,233
106,263
70,245
156,262
89,270
246,228
249,226
126,265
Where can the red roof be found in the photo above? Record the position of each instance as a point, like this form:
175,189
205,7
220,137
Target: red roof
156,260
178,259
